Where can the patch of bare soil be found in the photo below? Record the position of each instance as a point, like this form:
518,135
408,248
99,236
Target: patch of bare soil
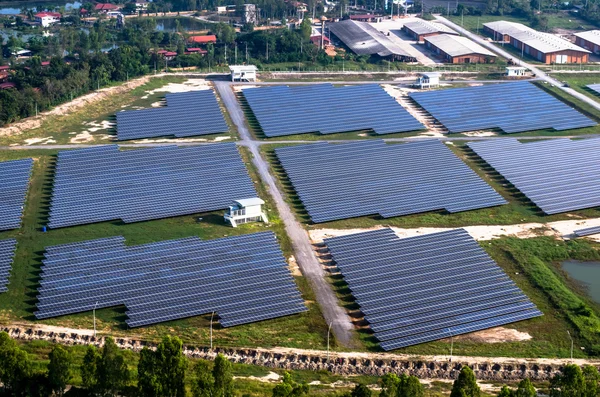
495,335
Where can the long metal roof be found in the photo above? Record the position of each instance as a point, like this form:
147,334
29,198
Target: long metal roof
364,39
593,36
456,46
420,26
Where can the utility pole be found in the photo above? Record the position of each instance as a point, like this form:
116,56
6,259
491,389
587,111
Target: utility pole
568,333
267,50
328,332
246,52
451,343
94,311
236,53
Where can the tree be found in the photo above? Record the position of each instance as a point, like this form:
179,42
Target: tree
412,387
223,377
506,392
105,372
389,385
570,383
89,368
289,388
204,381
162,372
525,389
465,385
361,390
306,29
591,376
59,369
15,367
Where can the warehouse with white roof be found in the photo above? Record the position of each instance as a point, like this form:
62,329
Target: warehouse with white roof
458,49
590,40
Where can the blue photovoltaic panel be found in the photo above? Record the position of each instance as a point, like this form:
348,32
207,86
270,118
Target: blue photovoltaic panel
339,181
512,107
103,183
323,108
424,288
7,252
14,182
243,279
587,231
594,87
186,114
558,175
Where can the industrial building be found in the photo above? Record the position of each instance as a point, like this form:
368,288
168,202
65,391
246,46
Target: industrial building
364,39
245,211
419,29
458,49
544,47
589,40
243,72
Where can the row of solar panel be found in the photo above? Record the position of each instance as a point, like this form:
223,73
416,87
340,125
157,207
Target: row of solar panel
422,288
590,231
242,278
327,109
512,107
337,181
187,114
558,175
7,253
14,182
101,184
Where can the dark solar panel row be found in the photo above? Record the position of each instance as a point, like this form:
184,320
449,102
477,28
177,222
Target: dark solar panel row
587,231
186,114
14,182
594,87
424,288
558,175
7,252
243,279
512,107
103,183
339,181
323,108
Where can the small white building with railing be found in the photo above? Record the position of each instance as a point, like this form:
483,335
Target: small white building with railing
246,210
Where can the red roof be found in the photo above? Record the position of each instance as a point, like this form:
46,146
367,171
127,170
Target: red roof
105,7
4,67
211,38
4,86
161,52
47,14
317,39
195,49
170,54
83,11
45,63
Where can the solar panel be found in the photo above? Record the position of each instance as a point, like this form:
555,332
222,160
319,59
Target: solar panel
186,114
7,252
339,181
424,288
587,231
594,87
103,183
512,107
243,279
285,110
558,175
14,182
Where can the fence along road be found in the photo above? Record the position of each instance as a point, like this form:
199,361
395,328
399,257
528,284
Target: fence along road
303,251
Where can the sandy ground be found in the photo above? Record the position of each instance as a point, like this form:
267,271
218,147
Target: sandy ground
186,86
559,229
39,141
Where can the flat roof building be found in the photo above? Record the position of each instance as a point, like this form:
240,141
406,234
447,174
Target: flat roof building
364,39
458,49
544,47
419,29
589,40
243,72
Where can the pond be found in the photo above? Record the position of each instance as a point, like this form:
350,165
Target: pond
9,8
187,24
587,273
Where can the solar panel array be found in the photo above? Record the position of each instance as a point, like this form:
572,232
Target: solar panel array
587,231
186,114
594,87
558,175
339,181
512,107
424,288
7,252
284,110
103,183
14,181
243,279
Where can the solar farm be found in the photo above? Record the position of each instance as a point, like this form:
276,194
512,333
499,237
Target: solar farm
557,176
103,183
187,114
340,181
424,288
511,107
243,279
14,182
7,252
323,108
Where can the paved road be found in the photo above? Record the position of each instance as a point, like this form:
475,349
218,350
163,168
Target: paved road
540,74
303,251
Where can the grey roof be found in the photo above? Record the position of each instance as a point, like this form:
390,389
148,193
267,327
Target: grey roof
593,36
420,26
364,39
456,46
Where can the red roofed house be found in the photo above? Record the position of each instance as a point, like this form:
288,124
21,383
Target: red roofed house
5,86
45,63
47,18
195,50
316,40
106,7
211,38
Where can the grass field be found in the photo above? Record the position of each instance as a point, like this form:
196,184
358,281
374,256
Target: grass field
579,81
560,20
91,119
307,330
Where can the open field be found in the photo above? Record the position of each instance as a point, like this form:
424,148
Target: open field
558,20
579,81
307,330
